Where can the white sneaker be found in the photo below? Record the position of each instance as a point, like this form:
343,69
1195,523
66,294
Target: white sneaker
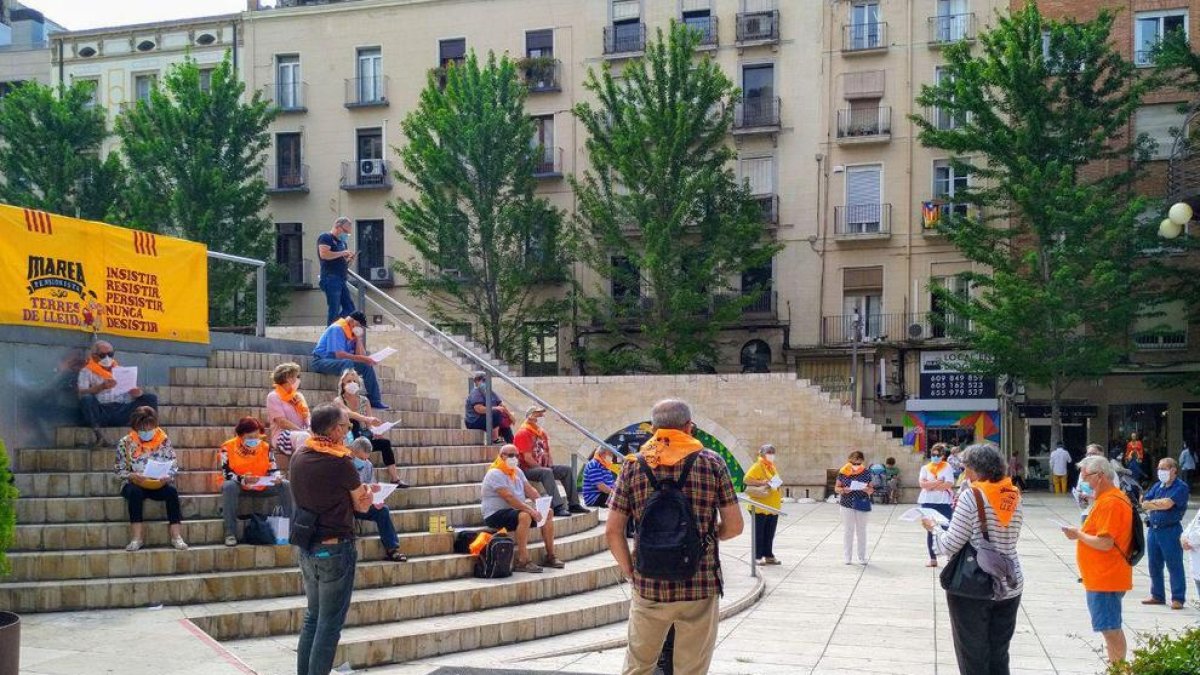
179,544
862,562
134,545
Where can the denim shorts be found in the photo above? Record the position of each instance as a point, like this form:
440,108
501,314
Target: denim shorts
1105,608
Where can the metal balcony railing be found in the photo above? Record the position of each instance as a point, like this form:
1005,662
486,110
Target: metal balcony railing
891,328
706,29
862,220
862,37
1160,340
864,123
366,174
942,210
758,27
624,38
286,178
549,164
752,115
287,97
948,28
769,204
765,303
366,92
541,73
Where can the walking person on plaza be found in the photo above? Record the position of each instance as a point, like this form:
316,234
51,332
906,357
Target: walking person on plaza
764,476
1060,460
1165,504
1187,465
673,471
325,484
342,346
937,491
336,256
983,629
1101,547
1082,491
856,504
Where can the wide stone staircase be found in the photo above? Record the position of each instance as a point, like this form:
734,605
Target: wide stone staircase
72,528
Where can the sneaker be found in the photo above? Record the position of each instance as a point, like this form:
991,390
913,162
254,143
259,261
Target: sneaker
562,512
230,540
553,562
1152,601
134,545
771,560
527,566
1176,604
498,441
179,544
402,485
578,508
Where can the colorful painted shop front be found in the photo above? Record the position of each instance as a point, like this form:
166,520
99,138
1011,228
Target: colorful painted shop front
954,407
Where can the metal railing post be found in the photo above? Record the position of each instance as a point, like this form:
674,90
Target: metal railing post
260,305
487,405
754,528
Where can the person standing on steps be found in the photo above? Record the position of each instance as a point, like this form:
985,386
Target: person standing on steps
1165,505
97,402
537,465
855,502
336,256
325,484
937,491
673,478
343,346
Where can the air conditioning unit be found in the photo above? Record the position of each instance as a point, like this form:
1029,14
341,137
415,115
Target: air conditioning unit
370,167
916,331
381,274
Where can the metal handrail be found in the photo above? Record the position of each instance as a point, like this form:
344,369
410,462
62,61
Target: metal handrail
364,285
260,278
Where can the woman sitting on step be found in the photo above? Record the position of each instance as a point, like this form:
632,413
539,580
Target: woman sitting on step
147,442
249,471
287,411
350,398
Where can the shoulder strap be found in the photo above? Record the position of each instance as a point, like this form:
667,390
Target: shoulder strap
687,467
649,472
982,514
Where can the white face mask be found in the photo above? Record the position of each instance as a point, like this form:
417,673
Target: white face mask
770,457
358,331
513,462
352,388
107,362
1164,475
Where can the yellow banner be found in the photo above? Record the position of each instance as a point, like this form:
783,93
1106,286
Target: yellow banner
61,272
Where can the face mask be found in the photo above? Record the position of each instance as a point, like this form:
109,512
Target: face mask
296,385
513,462
251,442
107,362
344,237
358,331
352,388
146,435
1164,476
1085,488
770,457
935,458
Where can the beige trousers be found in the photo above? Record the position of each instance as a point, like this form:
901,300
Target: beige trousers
695,634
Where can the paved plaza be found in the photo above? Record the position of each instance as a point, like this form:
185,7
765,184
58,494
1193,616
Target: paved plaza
816,615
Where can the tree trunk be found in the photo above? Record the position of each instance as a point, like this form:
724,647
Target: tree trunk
1056,433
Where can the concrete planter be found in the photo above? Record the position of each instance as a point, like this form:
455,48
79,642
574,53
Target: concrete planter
10,643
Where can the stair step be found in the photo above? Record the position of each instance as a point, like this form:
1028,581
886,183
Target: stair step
257,396
285,616
228,416
265,582
267,362
214,436
231,377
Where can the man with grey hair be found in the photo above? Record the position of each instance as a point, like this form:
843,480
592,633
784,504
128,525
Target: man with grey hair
1165,504
1083,491
100,405
673,465
335,255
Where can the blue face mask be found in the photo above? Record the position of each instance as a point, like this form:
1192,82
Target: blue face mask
1085,488
344,238
251,442
146,435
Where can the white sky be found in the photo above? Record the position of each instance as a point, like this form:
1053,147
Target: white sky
83,14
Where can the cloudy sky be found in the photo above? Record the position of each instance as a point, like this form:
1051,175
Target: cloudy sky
82,14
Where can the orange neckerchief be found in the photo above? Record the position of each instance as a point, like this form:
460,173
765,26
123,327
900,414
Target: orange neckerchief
99,370
937,469
294,399
235,444
849,470
327,446
345,328
1003,496
608,464
499,463
141,447
668,447
536,430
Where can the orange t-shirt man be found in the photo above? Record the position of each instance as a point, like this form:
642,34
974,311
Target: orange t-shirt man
1107,571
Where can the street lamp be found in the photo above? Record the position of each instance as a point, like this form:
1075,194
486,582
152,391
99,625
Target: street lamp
1178,216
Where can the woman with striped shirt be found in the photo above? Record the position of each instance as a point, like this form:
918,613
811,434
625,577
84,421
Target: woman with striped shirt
983,628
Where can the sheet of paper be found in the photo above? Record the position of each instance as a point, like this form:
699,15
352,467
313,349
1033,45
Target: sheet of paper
382,354
157,470
126,378
776,481
267,480
916,513
385,489
384,428
543,508
857,485
1059,523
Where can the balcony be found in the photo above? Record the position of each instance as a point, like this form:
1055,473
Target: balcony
862,221
769,205
862,38
864,125
289,97
299,272
549,164
541,74
367,92
891,328
946,29
936,211
1183,167
758,115
286,179
624,40
757,28
1161,340
706,29
366,174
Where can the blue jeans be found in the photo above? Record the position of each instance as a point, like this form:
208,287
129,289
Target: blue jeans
337,298
336,366
328,573
1164,547
943,509
383,521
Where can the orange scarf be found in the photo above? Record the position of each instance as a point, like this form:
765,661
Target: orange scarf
294,399
536,431
327,446
503,466
100,371
669,447
614,468
937,469
1003,497
349,332
848,469
141,447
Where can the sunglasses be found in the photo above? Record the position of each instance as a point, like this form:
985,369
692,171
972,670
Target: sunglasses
508,454
104,355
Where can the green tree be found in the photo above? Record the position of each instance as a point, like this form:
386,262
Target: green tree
661,210
486,245
195,156
1054,226
50,154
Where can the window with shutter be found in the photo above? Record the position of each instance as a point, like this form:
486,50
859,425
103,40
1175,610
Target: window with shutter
1161,123
759,173
863,208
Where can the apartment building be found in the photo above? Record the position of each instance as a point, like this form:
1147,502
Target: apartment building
24,53
344,75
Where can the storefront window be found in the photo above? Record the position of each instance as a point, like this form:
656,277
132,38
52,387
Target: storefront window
1147,420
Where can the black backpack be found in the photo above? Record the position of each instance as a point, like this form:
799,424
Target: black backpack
495,561
1137,540
668,542
257,531
464,538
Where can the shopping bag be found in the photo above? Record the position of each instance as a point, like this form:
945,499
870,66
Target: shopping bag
280,526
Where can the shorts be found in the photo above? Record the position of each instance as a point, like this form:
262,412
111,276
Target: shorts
504,518
1105,608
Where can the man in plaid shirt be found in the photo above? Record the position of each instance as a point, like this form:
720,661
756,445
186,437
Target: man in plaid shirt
690,605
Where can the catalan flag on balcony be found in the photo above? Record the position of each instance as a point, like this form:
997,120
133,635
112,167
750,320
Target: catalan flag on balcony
931,213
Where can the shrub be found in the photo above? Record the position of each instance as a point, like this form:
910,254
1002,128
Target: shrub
8,510
1170,654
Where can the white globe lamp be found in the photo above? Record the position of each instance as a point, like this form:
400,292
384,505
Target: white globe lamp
1169,229
1180,214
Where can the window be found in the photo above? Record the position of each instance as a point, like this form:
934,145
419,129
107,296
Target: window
626,31
288,165
945,119
539,43
758,95
864,212
370,246
541,349
953,21
369,144
948,182
289,251
759,174
866,32
288,82
759,280
945,322
1150,28
701,20
756,357
1161,123
543,143
452,51
206,79
93,88
626,282
143,85
1163,327
862,301
370,75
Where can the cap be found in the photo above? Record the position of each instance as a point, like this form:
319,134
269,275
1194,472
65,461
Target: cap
360,318
534,409
478,375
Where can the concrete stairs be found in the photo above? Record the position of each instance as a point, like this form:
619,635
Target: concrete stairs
72,528
439,343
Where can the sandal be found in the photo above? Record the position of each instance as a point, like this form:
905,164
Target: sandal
134,545
179,544
527,566
395,555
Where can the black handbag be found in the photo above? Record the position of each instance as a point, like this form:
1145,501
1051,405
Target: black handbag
257,531
963,576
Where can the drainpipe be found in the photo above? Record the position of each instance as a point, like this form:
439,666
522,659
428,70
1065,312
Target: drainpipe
235,47
61,71
910,302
